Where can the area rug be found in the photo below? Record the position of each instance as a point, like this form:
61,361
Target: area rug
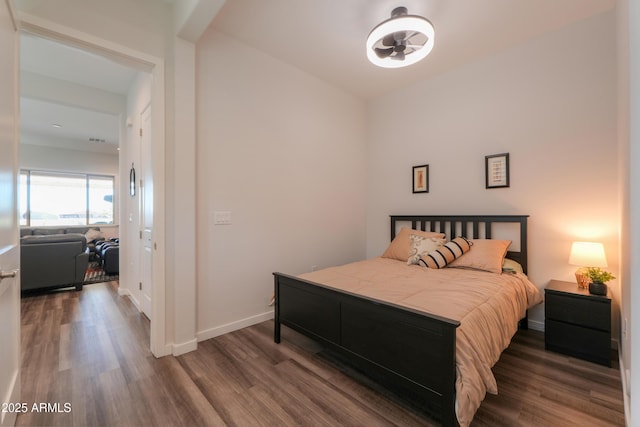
95,274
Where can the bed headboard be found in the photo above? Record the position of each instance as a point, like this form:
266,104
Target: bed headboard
472,227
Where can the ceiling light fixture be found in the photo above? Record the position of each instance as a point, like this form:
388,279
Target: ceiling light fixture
401,40
56,125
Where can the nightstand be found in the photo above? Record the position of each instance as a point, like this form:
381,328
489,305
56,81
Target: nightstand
577,323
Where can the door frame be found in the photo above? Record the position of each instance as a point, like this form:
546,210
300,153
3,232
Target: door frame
155,66
10,325
142,206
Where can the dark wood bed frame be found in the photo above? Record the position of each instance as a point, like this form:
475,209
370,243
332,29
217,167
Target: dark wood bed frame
412,353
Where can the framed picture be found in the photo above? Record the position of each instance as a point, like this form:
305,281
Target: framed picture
421,179
497,170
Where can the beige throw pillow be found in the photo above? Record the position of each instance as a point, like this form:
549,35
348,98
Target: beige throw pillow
485,254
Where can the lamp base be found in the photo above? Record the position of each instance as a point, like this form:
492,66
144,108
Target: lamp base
582,278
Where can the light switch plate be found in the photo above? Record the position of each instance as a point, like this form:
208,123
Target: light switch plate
222,218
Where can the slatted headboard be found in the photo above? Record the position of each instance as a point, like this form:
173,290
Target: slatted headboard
471,227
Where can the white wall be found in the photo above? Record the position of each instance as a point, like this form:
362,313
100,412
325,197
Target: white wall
181,218
631,235
283,152
625,162
43,88
56,159
550,103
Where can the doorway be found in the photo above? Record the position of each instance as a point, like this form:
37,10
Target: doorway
127,206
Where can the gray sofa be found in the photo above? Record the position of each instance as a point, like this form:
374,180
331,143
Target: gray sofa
53,260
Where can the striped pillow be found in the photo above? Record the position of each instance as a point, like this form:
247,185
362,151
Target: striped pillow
442,256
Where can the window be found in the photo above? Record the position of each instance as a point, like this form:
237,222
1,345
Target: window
50,198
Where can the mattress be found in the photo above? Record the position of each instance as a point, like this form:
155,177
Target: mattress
487,305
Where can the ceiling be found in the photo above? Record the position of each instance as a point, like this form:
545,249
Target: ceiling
50,117
325,38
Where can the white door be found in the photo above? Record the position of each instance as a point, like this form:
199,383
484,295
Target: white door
146,211
9,247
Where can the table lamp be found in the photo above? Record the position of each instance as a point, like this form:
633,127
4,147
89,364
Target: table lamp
585,255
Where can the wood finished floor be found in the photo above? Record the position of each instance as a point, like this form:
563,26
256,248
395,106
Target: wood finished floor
90,349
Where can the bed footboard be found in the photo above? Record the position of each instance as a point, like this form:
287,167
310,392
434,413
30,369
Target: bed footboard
409,352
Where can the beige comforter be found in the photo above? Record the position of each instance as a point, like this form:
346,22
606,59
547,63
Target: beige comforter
488,306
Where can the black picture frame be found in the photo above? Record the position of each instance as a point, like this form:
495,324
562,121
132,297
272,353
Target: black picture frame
496,170
132,181
421,179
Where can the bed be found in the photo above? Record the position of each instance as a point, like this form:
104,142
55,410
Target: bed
401,324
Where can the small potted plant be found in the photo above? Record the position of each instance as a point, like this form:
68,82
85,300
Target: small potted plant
599,278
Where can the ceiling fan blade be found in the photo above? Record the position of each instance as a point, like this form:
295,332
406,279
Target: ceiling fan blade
412,34
388,40
383,53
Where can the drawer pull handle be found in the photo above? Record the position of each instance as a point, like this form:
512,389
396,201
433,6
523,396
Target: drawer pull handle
8,274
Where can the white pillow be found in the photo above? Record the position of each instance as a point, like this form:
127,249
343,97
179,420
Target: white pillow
421,245
92,234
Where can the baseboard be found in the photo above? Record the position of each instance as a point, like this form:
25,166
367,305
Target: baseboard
164,350
626,391
536,325
124,292
233,326
185,347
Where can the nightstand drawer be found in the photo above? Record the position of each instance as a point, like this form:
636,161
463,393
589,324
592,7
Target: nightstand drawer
580,311
588,344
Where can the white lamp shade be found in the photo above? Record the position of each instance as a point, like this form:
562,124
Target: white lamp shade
587,254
